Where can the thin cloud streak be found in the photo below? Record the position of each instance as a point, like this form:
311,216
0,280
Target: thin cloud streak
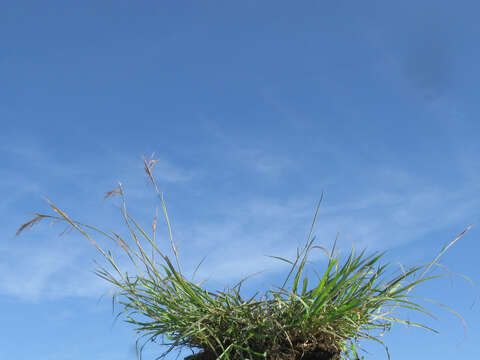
236,245
235,248
401,210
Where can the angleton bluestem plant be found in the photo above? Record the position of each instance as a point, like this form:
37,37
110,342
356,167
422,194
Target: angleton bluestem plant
352,299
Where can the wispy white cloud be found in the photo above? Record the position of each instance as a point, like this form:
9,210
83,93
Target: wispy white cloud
33,269
236,247
403,209
251,157
36,272
237,244
30,155
262,162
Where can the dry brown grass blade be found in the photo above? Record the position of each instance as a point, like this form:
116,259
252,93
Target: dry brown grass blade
71,222
111,192
154,233
445,248
324,249
30,223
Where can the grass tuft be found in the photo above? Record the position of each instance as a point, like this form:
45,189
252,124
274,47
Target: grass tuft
354,299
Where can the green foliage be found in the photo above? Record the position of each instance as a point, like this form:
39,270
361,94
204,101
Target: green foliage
351,300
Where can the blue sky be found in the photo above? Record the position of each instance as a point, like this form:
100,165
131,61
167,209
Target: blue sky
253,108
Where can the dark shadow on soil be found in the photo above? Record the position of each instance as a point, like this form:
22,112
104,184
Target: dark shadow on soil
317,354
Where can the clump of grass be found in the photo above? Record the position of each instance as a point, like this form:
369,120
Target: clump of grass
352,299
